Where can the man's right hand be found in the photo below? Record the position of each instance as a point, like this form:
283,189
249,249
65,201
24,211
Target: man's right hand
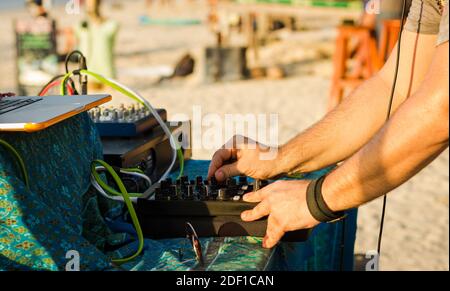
244,156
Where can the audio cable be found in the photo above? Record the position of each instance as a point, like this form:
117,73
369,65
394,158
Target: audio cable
122,195
126,198
55,82
98,165
388,116
19,161
82,65
177,152
111,193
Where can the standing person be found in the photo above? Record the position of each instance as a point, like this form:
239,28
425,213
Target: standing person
96,37
36,48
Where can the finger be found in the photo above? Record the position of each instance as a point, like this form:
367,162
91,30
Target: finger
253,197
227,171
274,233
236,142
261,210
218,159
258,195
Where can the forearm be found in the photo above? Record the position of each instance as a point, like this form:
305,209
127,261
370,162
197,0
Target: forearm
350,126
415,135
341,132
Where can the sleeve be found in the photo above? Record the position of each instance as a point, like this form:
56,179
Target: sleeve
443,30
424,17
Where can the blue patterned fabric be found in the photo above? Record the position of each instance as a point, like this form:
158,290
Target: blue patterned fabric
39,226
60,213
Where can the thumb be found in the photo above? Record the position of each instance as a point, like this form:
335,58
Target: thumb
227,171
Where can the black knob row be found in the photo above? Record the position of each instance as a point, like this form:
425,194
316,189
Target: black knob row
199,189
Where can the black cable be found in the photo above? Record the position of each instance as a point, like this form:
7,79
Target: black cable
81,66
69,56
391,100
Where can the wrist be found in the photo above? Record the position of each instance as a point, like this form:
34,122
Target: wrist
331,188
286,162
317,205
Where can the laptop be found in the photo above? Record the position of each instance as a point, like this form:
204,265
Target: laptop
31,114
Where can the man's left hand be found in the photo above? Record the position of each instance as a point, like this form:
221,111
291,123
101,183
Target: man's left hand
285,204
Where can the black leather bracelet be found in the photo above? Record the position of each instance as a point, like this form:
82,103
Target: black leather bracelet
316,204
312,203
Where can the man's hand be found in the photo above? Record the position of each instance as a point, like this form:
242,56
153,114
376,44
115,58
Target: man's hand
244,156
285,204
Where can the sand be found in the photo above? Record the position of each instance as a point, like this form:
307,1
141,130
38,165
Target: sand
416,235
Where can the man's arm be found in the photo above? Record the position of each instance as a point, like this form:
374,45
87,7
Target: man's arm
415,135
346,129
354,122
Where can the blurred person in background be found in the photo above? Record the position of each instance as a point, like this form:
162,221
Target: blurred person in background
96,37
36,48
39,9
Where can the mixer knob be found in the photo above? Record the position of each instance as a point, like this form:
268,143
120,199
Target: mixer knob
120,114
141,112
256,185
203,192
115,115
207,191
184,180
97,114
183,190
222,194
190,192
126,115
199,180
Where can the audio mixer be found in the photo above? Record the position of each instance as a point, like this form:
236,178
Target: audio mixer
213,208
124,121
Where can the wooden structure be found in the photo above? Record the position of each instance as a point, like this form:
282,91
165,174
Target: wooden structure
369,57
256,17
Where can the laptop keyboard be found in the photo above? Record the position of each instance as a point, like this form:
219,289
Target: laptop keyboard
13,104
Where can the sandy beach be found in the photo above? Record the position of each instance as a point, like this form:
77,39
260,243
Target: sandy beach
416,235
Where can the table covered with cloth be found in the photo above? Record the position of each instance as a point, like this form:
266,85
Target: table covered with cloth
61,213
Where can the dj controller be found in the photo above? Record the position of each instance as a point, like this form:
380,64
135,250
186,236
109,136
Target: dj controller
132,137
213,208
129,121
